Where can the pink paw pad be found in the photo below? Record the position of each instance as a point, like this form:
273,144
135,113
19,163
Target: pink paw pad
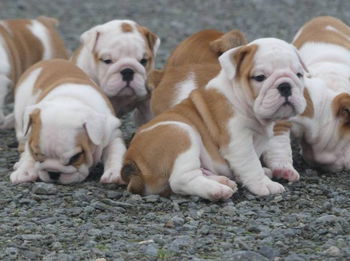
287,174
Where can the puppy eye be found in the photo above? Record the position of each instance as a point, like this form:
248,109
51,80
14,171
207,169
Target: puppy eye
259,78
75,158
107,61
143,61
300,75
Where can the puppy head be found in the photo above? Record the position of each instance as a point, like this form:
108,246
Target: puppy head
270,73
124,54
65,145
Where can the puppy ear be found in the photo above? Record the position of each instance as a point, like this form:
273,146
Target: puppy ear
31,116
131,174
152,39
90,38
229,40
100,127
300,60
341,107
48,20
235,60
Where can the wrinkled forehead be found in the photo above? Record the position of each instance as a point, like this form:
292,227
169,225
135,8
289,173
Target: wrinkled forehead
276,54
123,38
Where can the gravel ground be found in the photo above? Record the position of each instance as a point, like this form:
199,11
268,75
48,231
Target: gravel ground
91,221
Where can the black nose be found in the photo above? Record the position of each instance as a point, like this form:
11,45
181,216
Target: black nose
127,74
54,175
285,89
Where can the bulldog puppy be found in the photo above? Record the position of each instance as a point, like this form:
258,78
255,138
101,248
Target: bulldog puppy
190,66
222,129
118,56
65,125
23,42
323,128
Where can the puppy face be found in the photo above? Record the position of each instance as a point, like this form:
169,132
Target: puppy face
271,74
124,54
65,147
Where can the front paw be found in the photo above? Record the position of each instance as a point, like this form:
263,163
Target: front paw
265,187
289,174
112,176
22,175
220,192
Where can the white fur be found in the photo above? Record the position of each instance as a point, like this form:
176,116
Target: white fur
125,50
65,112
184,88
41,32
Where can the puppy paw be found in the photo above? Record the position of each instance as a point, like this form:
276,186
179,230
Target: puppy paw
289,174
225,181
268,172
266,187
220,192
22,175
112,176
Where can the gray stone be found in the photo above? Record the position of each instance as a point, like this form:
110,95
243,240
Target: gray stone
41,188
11,252
333,251
247,256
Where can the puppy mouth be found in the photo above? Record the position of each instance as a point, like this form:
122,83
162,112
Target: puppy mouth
127,90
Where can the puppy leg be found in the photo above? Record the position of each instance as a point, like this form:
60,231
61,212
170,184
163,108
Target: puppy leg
113,161
278,157
187,176
24,168
143,113
4,86
245,163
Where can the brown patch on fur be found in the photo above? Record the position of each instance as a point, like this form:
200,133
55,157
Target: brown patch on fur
163,96
83,142
244,60
315,31
127,28
195,49
56,72
154,78
34,135
24,48
309,111
341,110
150,39
206,111
281,127
229,40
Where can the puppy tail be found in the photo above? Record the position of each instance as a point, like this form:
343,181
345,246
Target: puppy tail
129,169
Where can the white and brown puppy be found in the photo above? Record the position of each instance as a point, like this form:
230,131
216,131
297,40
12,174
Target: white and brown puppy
190,66
23,42
222,129
65,125
118,56
323,129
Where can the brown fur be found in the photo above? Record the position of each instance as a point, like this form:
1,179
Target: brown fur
315,31
197,54
83,142
244,60
150,39
206,111
341,110
309,110
165,92
24,48
281,127
34,136
127,28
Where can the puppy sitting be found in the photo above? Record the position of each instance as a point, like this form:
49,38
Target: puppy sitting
195,147
23,43
118,56
323,128
190,66
65,125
